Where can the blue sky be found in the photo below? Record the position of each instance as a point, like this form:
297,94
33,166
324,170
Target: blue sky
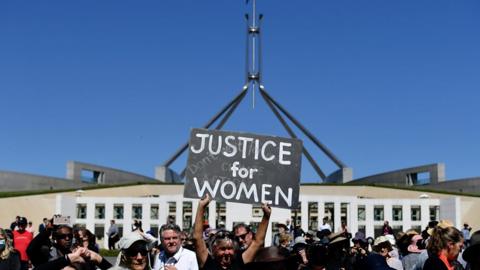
384,84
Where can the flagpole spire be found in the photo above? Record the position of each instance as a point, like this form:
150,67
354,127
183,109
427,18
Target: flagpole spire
253,64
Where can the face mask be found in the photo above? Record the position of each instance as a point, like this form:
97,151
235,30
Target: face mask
2,244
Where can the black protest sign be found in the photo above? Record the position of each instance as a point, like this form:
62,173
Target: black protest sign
243,167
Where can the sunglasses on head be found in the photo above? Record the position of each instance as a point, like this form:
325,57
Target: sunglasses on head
64,236
223,235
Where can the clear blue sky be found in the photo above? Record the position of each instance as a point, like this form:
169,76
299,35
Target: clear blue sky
384,84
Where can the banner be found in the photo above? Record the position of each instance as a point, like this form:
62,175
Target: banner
243,167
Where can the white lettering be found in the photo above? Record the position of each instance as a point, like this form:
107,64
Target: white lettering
232,146
222,189
219,145
279,192
243,172
202,145
264,146
251,172
245,141
206,185
234,168
265,193
283,152
248,193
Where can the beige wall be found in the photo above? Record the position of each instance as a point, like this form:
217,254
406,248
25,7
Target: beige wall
36,207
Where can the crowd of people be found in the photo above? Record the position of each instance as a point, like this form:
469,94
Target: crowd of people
59,246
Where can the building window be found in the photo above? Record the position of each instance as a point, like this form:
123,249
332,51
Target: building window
397,213
378,213
416,213
81,211
222,215
118,211
187,215
99,211
296,215
154,230
361,213
257,211
136,211
312,216
154,211
172,212
434,212
99,231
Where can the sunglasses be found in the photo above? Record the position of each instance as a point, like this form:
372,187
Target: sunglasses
241,236
133,252
223,235
64,236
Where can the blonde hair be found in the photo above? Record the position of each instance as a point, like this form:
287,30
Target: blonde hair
8,245
443,234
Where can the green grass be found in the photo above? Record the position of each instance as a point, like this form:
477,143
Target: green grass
109,253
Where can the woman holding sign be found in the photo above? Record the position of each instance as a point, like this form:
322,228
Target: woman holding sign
222,251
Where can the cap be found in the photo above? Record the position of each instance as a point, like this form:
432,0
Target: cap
380,240
127,241
299,240
22,221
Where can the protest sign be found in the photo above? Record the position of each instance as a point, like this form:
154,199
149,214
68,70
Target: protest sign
243,167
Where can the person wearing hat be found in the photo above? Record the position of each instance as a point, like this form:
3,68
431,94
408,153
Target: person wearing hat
382,246
300,247
359,251
272,258
222,244
21,240
472,252
282,229
466,234
134,250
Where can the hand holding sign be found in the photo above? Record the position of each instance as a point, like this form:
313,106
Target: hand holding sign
267,210
241,167
204,201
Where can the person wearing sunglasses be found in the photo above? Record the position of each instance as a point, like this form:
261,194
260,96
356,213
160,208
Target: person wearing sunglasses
134,251
243,235
222,244
52,249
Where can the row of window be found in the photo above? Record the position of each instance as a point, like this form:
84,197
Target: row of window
397,213
137,210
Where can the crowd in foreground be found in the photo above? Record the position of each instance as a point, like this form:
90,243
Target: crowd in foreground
440,246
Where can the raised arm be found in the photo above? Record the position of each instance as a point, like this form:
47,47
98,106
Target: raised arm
259,240
200,246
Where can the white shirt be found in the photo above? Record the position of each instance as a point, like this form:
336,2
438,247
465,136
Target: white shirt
325,226
185,260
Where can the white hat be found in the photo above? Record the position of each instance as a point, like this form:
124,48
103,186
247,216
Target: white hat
391,239
380,239
127,241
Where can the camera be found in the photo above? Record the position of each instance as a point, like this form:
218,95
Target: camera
61,220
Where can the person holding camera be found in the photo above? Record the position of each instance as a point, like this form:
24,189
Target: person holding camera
52,249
